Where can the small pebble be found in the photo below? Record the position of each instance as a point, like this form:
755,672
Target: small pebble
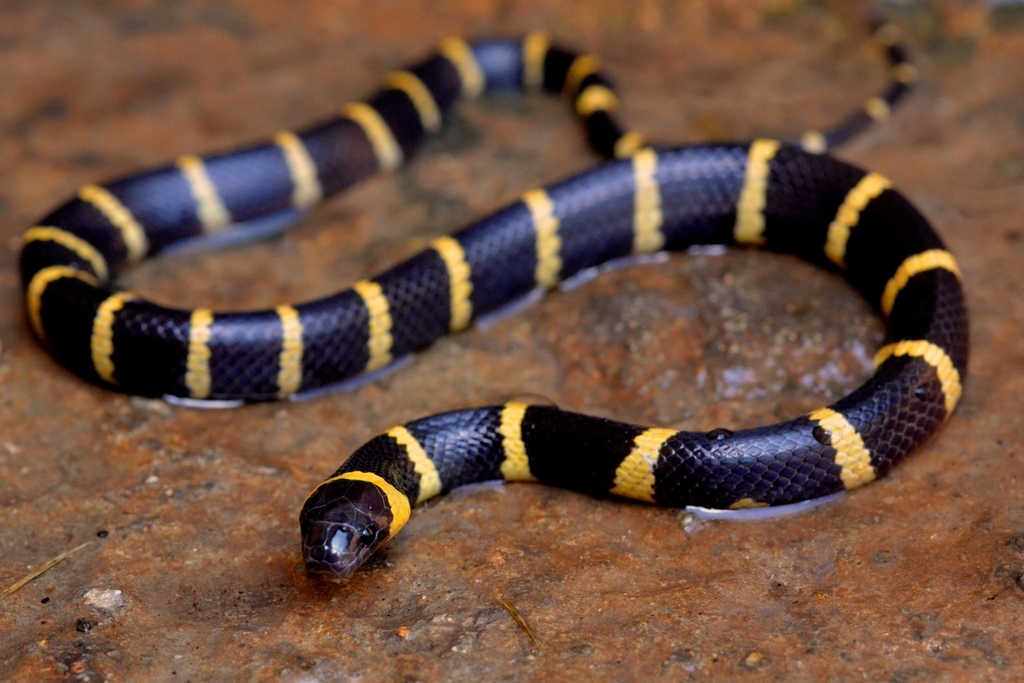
104,599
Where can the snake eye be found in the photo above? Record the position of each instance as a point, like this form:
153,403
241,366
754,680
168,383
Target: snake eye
367,536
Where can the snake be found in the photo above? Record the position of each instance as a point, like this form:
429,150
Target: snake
787,197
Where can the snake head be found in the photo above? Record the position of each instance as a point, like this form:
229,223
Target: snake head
343,522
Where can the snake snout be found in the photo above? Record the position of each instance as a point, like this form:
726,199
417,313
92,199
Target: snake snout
337,548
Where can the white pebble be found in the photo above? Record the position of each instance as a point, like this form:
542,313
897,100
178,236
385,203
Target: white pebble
104,599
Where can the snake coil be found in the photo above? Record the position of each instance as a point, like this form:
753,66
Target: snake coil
789,198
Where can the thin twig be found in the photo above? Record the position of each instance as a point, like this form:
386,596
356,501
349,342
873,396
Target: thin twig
520,620
40,570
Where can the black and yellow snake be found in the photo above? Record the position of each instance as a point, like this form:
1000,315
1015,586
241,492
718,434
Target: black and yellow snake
790,198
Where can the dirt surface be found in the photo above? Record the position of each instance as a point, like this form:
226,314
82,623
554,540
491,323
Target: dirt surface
198,575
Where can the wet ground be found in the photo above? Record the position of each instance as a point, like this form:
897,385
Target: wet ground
192,570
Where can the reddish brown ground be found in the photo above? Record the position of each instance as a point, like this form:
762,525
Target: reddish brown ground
914,578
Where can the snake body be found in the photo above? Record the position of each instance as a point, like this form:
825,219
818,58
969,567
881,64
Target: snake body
789,198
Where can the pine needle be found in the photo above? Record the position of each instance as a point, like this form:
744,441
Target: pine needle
520,620
40,570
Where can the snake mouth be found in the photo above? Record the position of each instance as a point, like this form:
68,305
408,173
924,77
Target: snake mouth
337,548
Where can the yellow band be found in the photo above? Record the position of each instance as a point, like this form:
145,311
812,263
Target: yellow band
878,109
935,356
851,455
628,144
634,477
549,244
210,209
134,237
458,52
430,479
750,223
306,189
647,214
596,98
911,266
814,142
385,147
535,49
516,465
71,242
379,311
37,286
581,67
848,215
101,344
460,285
417,92
197,364
289,372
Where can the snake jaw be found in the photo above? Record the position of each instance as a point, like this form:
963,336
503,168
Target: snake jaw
338,548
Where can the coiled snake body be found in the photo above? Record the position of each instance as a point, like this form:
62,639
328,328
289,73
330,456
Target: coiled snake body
783,197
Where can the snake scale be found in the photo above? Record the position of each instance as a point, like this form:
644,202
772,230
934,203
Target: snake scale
784,197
